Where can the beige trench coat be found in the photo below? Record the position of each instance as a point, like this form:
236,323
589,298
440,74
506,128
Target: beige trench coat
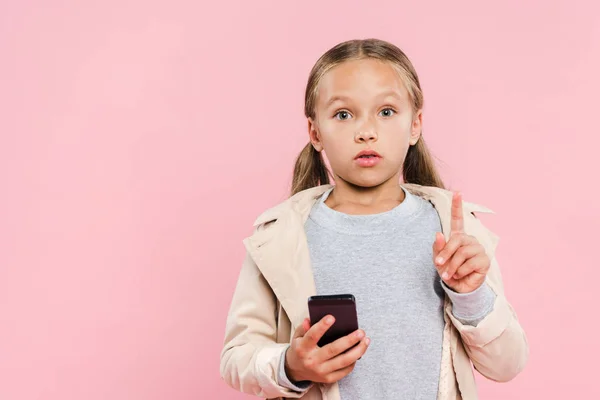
276,279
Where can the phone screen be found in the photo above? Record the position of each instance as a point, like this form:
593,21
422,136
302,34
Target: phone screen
343,309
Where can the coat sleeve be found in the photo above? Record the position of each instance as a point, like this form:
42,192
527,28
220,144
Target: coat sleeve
497,346
250,357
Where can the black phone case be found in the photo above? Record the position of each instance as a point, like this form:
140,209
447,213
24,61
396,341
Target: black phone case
342,307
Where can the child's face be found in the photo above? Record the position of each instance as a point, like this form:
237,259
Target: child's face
363,105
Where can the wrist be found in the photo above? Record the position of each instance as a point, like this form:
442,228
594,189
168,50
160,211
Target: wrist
469,290
290,372
471,307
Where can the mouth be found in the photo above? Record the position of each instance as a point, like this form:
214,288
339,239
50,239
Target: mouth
367,154
367,159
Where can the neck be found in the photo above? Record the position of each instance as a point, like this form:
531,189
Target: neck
352,199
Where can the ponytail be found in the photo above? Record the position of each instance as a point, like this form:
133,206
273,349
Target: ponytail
309,171
419,167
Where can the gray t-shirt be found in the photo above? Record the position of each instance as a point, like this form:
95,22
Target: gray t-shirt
385,260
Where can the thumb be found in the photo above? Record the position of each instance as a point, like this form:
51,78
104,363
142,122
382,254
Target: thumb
438,244
302,328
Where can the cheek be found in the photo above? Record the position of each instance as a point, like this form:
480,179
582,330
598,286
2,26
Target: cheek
403,124
396,133
336,134
395,139
329,127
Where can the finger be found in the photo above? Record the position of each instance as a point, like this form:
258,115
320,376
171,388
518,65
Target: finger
340,345
306,324
339,374
347,358
457,221
438,244
316,332
462,254
453,244
302,328
475,264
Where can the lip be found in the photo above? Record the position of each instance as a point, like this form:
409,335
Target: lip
367,162
367,153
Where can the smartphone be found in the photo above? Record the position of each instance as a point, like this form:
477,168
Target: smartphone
343,309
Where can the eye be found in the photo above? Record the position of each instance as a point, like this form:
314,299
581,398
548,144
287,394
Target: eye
342,115
387,112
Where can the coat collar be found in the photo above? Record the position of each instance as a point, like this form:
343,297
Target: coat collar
280,250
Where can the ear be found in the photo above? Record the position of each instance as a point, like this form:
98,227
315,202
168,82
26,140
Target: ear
313,135
416,128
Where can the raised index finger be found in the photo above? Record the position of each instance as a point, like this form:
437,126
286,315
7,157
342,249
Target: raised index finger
457,223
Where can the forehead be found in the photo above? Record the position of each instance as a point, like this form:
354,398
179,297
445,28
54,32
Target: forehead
362,78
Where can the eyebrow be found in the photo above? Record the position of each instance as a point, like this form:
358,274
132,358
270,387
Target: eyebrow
389,93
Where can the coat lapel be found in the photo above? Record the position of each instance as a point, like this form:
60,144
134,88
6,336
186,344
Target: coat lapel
282,255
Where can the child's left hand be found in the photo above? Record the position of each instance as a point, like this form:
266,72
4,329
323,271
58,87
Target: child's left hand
462,262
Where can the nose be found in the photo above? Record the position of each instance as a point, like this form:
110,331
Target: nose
365,136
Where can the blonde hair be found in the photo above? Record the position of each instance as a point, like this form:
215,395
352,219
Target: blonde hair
419,168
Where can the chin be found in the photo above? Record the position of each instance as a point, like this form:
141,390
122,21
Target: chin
367,182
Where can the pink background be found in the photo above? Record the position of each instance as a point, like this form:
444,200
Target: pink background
140,139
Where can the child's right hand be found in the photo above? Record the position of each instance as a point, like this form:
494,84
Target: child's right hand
306,361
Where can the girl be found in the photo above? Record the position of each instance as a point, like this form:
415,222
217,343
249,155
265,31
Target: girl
429,294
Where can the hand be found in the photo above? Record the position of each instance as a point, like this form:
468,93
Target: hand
461,262
306,361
